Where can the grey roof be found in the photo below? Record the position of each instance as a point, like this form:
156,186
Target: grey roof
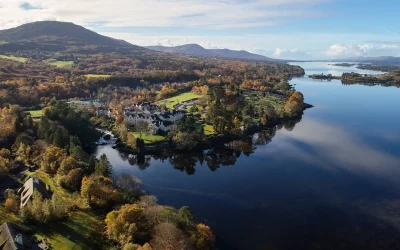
8,233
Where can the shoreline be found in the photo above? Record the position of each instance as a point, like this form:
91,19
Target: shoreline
215,141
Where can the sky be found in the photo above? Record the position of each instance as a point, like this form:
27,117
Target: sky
285,29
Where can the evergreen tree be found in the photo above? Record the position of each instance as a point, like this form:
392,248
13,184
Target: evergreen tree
103,167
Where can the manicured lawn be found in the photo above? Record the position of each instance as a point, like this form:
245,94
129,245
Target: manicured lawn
170,102
14,58
149,139
97,76
60,64
36,113
208,130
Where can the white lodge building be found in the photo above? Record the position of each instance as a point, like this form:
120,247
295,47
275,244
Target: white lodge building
158,121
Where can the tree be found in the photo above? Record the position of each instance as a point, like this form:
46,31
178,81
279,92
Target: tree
119,120
168,237
98,191
51,159
103,166
203,238
75,148
68,163
295,104
5,165
73,180
12,205
60,137
186,218
44,130
131,246
185,140
141,127
130,186
125,225
131,141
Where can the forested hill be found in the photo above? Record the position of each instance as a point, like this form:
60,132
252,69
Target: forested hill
56,36
195,49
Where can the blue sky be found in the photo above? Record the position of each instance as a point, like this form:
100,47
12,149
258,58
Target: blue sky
292,29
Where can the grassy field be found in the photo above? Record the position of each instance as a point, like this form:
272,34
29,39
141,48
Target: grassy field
36,113
149,139
60,64
97,76
170,102
14,58
81,227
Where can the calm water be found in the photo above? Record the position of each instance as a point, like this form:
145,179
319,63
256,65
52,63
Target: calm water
329,182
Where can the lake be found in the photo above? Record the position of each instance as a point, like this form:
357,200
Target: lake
330,181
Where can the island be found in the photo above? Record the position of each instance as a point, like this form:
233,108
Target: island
324,77
388,79
343,64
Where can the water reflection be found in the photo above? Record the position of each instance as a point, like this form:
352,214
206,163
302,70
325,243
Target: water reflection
331,146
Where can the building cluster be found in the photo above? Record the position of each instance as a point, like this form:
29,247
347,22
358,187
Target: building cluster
150,115
164,121
139,114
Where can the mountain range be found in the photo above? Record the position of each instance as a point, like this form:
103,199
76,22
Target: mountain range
195,49
53,36
68,37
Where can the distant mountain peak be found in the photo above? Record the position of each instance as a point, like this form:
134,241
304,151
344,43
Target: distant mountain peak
60,33
196,49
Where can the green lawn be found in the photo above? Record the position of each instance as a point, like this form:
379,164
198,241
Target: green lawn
149,139
36,113
60,64
97,76
170,102
81,227
14,58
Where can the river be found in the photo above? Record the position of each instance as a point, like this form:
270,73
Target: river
331,181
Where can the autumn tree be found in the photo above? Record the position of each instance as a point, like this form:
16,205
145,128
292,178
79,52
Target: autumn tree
168,237
51,159
295,104
203,238
125,225
98,191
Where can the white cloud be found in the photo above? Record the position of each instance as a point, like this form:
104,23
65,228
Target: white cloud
166,13
350,50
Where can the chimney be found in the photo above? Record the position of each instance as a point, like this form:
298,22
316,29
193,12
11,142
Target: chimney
18,239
